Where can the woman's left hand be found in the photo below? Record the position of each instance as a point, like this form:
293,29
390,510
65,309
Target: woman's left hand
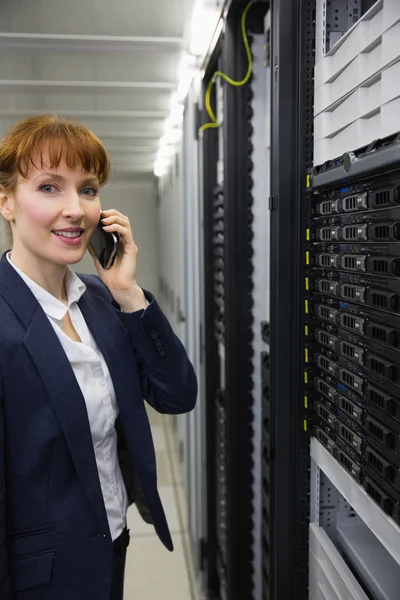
121,277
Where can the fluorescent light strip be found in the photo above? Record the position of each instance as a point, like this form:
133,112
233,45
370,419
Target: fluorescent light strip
203,24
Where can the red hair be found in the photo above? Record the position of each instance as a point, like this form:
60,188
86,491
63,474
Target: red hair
35,139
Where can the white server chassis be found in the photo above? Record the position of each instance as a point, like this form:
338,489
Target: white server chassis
357,82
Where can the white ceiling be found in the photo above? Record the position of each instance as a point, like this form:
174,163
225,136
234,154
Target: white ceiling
112,65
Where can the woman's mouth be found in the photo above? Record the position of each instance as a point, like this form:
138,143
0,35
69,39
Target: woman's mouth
71,237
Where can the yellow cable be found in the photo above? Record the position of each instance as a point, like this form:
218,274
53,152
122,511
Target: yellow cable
213,118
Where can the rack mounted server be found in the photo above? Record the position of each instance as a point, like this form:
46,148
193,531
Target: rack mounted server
352,306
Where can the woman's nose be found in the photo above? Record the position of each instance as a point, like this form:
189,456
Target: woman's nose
73,207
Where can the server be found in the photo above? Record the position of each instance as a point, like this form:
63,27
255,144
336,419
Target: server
354,325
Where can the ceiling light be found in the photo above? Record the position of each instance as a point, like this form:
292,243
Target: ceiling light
174,100
187,64
203,25
184,87
175,119
160,168
172,136
204,22
187,71
166,151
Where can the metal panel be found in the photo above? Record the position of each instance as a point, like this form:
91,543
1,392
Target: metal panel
238,335
189,315
209,150
383,527
315,482
329,499
365,555
291,149
219,230
261,233
380,156
233,517
373,564
330,577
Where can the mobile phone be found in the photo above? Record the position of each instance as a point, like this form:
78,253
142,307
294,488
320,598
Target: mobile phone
105,246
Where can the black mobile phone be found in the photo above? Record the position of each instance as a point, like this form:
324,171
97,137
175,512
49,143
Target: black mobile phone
105,246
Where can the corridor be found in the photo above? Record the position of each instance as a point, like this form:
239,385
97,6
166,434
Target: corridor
153,573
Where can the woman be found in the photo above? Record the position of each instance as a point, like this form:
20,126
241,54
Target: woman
77,357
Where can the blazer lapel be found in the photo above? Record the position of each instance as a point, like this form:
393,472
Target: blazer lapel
68,403
60,381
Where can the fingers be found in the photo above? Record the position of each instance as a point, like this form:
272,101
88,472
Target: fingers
125,233
115,222
113,213
121,219
118,227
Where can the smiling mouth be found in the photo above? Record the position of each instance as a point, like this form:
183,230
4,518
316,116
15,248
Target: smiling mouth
69,234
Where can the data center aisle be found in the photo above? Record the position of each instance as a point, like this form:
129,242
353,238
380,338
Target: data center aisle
153,573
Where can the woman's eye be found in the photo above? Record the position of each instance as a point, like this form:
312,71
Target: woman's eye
47,188
89,192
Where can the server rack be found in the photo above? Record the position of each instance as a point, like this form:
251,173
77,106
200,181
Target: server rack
331,394
228,203
350,303
286,481
329,369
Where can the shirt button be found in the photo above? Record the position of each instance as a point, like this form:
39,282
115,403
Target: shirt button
103,383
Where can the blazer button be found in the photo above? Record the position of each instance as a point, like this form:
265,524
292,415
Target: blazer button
158,344
162,352
154,334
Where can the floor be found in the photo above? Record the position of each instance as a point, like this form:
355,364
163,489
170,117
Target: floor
153,573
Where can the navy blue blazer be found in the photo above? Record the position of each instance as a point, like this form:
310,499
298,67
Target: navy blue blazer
55,542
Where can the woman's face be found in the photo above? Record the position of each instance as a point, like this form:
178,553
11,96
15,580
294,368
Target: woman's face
55,213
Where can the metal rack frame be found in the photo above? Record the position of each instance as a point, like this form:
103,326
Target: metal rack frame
358,529
291,150
211,356
238,317
235,381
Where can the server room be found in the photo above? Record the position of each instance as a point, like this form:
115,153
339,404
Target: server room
200,300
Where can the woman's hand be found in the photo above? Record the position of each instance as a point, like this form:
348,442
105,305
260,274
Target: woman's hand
121,277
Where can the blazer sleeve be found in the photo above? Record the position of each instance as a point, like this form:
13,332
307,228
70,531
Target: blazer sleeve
168,379
5,584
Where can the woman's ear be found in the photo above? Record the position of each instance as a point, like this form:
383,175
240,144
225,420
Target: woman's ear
6,205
